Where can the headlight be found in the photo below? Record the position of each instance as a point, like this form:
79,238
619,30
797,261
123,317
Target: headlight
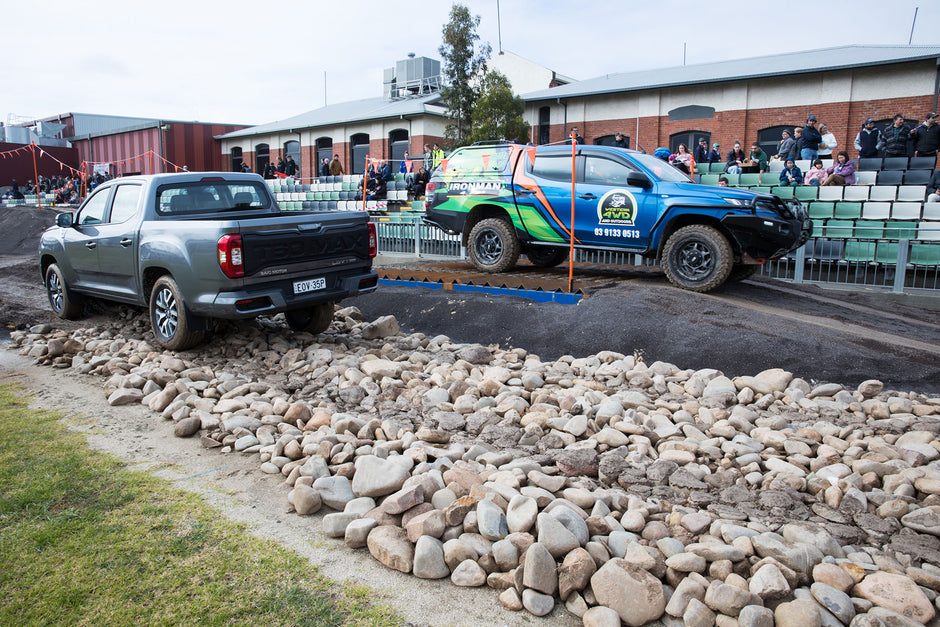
740,202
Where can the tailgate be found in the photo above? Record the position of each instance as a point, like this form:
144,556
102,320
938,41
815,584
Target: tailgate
295,239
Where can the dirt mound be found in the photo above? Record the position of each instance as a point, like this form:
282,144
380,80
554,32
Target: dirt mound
20,228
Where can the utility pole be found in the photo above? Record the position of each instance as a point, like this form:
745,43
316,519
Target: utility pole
911,38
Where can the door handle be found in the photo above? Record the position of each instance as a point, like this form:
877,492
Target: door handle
91,245
588,196
126,242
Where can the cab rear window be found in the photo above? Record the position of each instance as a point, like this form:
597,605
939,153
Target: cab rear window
479,161
210,197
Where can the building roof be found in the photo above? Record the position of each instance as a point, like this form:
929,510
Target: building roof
838,58
346,112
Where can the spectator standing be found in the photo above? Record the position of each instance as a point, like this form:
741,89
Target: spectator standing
897,137
404,167
869,140
245,167
336,168
842,172
791,174
735,159
619,140
428,158
700,154
290,166
816,174
281,166
784,147
577,136
269,170
325,167
811,139
798,141
828,142
714,155
926,137
436,155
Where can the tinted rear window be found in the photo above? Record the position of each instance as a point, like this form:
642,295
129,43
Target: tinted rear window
210,197
479,161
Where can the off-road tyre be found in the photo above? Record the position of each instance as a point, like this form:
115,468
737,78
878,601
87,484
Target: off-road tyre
168,317
63,301
493,245
697,258
742,272
313,320
546,256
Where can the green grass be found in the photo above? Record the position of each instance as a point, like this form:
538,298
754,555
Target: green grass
84,541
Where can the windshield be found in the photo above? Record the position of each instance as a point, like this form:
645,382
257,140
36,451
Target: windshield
660,168
210,197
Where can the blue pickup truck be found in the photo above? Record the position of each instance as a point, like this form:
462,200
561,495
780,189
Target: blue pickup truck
506,200
198,246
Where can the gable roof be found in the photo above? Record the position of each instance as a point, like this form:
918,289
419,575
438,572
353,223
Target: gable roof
838,58
346,112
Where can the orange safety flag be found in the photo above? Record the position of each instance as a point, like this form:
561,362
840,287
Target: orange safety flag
486,162
530,150
280,175
444,163
409,164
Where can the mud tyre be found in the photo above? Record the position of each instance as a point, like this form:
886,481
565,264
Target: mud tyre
546,256
313,320
168,317
697,258
493,245
64,303
742,272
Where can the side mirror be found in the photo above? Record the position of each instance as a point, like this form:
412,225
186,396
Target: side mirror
64,220
638,179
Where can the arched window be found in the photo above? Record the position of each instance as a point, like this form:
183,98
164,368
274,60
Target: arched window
769,138
262,156
292,149
324,150
691,112
236,159
397,146
689,138
608,140
545,124
359,144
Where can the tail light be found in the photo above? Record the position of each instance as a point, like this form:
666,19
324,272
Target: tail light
230,256
428,193
373,241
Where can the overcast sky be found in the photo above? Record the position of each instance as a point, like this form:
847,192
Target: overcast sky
254,62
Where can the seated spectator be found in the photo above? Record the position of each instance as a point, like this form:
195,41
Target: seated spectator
933,188
842,172
381,189
756,161
419,183
714,155
869,140
683,159
784,147
734,159
700,154
790,174
816,174
722,181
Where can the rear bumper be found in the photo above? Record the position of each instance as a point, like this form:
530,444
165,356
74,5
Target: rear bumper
278,296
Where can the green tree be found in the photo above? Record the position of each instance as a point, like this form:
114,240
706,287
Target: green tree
497,113
465,59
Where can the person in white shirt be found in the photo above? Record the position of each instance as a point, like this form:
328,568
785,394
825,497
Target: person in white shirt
828,142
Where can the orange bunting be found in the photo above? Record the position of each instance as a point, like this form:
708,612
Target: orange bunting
409,164
486,162
444,163
530,150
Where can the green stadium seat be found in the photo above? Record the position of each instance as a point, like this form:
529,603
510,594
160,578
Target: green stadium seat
839,228
848,210
710,179
749,179
758,189
859,252
821,210
700,168
886,252
783,192
869,229
806,192
716,167
925,254
900,230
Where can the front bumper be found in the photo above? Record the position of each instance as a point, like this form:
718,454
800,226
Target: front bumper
766,235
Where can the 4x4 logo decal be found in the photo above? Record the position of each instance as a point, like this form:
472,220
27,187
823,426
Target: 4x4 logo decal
618,206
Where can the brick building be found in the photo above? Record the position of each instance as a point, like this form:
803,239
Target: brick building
745,99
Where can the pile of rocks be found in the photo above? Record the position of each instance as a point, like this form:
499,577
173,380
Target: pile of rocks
628,492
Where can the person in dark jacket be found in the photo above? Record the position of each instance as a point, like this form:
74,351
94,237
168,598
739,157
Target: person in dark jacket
869,140
811,140
791,174
620,141
714,155
927,137
281,165
700,154
734,160
897,138
325,167
290,166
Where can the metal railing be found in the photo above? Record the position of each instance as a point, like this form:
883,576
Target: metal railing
863,259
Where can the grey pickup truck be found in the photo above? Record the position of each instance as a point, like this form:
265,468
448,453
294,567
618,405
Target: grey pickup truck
196,246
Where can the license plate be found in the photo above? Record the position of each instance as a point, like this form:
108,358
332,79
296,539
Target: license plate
310,285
